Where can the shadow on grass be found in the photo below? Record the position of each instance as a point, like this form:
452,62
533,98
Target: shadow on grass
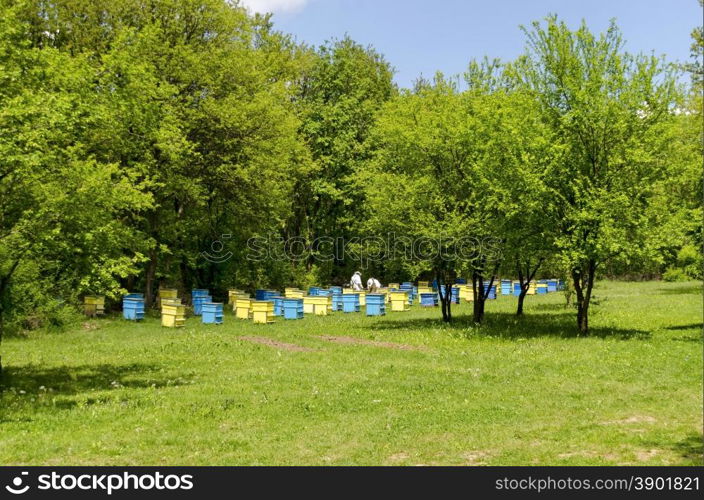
691,326
681,290
65,386
509,326
691,449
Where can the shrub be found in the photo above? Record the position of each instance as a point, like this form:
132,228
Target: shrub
675,274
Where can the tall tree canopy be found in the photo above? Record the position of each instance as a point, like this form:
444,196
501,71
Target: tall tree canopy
609,109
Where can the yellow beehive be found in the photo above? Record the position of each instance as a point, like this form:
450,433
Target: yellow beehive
94,305
423,284
321,305
424,289
233,299
167,293
531,288
362,295
309,304
262,311
465,291
399,301
469,293
173,313
393,285
233,294
294,293
243,306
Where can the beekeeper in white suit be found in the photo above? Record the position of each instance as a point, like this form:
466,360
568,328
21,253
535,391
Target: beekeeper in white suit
373,285
356,281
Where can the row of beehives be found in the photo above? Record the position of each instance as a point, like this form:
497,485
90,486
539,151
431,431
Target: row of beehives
294,303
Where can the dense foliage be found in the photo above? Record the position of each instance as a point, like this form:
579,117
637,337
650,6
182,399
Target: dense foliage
138,135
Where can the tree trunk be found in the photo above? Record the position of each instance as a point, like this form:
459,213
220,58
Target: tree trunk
445,302
149,281
521,297
583,284
448,300
479,298
524,280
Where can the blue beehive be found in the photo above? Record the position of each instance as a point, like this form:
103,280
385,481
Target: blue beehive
454,294
434,284
262,294
336,298
350,302
491,293
506,287
198,297
552,285
314,291
198,302
428,299
293,308
460,281
376,304
212,312
560,285
278,306
133,306
516,289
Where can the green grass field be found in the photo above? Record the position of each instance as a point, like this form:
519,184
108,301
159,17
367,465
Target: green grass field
512,392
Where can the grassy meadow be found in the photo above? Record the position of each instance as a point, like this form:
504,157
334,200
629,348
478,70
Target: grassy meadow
403,389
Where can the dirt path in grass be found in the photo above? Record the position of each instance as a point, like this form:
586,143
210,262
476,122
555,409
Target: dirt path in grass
375,343
278,345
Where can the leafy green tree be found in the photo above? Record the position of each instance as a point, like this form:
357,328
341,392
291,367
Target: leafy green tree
199,112
437,180
696,65
526,152
63,210
607,108
339,94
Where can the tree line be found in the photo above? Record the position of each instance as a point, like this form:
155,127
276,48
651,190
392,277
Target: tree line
134,133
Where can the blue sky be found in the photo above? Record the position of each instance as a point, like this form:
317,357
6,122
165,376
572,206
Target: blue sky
419,36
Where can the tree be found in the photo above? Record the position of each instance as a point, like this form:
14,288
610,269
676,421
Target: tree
339,94
696,66
606,107
527,152
199,111
63,210
434,181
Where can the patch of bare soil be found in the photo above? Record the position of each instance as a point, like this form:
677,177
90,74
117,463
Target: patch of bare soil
375,343
398,457
475,457
645,455
278,345
634,419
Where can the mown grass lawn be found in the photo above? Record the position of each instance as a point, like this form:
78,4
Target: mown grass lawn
512,392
